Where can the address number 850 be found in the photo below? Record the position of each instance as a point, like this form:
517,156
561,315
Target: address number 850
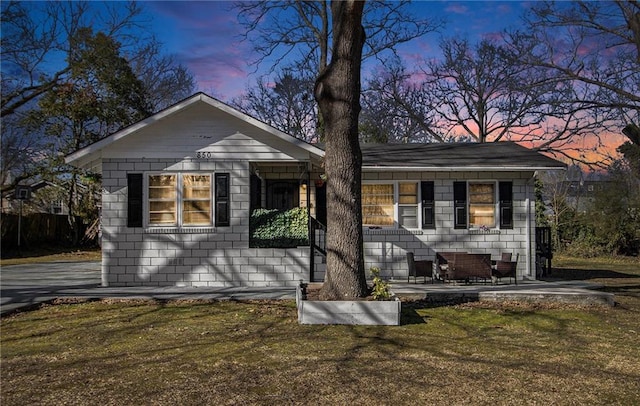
204,155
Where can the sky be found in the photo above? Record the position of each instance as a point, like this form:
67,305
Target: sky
205,36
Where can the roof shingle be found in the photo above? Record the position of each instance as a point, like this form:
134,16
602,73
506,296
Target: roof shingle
456,156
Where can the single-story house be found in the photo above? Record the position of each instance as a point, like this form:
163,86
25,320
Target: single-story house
179,186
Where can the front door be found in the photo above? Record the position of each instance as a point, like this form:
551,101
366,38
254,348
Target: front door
283,194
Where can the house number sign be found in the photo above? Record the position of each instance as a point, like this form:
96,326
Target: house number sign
204,155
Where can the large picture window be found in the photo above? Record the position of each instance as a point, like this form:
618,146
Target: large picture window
179,199
377,205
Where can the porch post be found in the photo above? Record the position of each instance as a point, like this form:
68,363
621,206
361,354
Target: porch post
311,232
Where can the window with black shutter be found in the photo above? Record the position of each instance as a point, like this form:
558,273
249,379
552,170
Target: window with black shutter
505,191
223,209
460,204
428,204
134,200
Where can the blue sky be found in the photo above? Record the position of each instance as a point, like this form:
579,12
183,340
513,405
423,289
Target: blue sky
205,36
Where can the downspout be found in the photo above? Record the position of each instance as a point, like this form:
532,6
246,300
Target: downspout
530,250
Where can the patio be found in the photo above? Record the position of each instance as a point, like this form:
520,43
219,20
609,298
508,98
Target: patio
575,292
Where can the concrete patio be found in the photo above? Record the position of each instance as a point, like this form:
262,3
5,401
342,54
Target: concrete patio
576,292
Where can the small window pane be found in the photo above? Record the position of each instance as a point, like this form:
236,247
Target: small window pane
408,205
196,199
162,199
408,216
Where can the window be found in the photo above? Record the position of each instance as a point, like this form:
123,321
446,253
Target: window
482,205
177,199
387,204
377,205
484,208
408,205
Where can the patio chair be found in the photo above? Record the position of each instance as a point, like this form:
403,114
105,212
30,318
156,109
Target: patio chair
505,267
419,268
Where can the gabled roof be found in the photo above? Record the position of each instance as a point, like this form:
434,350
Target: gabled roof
503,156
89,152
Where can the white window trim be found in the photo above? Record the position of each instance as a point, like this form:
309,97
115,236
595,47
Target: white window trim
396,203
496,204
179,201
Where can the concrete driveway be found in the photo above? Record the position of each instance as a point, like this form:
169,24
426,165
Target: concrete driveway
22,286
25,285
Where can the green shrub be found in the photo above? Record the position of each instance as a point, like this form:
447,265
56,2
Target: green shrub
380,289
279,229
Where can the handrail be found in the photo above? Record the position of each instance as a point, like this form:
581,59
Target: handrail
317,242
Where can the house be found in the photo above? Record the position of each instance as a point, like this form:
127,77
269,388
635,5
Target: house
179,186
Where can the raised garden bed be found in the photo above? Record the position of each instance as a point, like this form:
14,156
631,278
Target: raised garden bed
352,312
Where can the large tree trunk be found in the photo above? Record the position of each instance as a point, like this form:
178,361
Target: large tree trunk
338,95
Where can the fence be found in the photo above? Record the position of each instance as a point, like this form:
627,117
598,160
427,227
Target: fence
36,229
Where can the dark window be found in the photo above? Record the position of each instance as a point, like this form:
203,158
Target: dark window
134,200
505,190
428,204
460,204
223,209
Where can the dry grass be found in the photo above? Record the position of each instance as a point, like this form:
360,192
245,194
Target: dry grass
144,352
49,254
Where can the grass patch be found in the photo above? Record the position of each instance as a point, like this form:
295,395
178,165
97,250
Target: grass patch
49,253
618,275
254,352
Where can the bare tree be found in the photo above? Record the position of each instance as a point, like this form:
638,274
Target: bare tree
286,104
165,80
337,92
476,92
594,47
303,29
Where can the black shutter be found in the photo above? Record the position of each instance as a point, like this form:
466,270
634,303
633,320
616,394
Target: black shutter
134,200
428,204
223,210
460,204
505,194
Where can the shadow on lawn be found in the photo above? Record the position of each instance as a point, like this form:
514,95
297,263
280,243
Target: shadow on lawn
582,274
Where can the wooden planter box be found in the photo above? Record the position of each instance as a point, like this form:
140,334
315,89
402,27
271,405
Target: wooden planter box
353,312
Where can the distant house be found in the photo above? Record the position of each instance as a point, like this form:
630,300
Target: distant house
179,186
582,193
38,197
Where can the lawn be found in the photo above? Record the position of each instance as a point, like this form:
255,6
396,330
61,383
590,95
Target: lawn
48,253
147,352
